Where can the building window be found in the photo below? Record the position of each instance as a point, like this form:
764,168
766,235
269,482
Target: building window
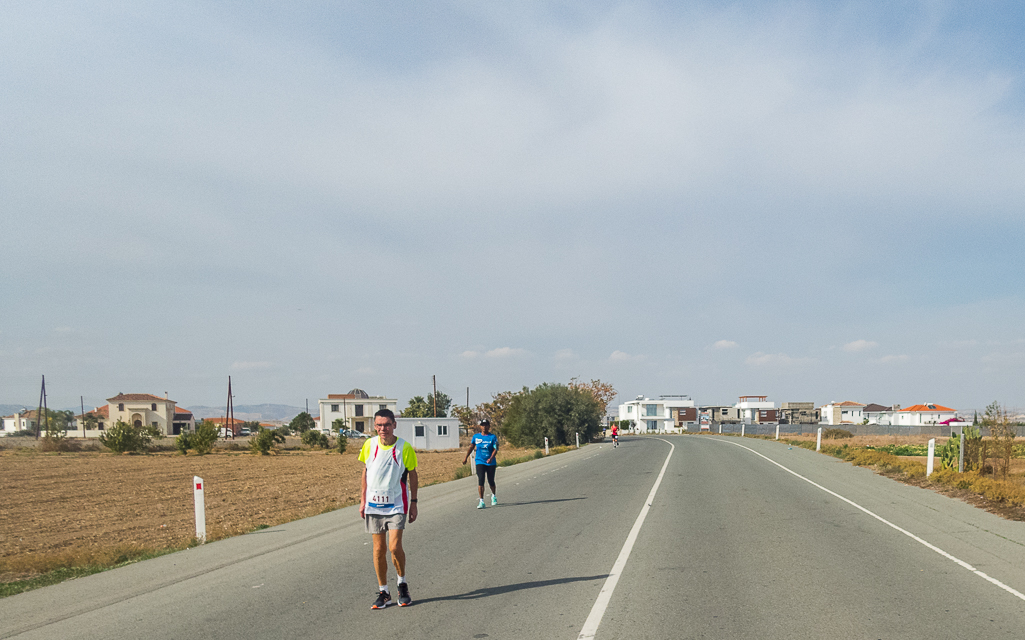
121,406
359,409
382,407
101,426
359,426
154,423
153,407
419,430
334,408
651,409
629,408
652,425
442,429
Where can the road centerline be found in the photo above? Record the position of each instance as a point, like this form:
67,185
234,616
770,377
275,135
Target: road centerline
605,595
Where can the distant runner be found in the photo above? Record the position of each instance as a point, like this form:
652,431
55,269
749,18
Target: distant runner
486,445
388,493
615,436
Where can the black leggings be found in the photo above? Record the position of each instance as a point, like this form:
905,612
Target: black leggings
488,469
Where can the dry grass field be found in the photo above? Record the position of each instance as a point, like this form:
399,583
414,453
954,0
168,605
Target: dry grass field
61,508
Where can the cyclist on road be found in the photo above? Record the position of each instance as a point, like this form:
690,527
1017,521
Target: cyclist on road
486,445
615,436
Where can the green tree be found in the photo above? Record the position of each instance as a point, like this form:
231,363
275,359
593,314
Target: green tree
339,425
252,425
302,423
264,440
420,407
124,438
203,438
552,410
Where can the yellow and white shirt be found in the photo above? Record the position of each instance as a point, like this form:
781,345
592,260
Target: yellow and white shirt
387,470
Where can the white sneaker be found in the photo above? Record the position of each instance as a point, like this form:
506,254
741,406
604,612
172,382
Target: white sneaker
480,505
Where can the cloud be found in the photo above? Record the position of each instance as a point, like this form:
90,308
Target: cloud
469,355
762,359
565,354
622,356
250,366
504,352
892,358
725,344
859,345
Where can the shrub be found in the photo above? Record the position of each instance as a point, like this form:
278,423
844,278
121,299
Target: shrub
836,434
313,438
202,440
58,443
341,442
182,442
264,440
463,471
124,438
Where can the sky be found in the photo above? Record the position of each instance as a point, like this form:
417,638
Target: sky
814,201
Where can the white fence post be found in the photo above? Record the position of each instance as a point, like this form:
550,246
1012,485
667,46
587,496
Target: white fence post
578,439
818,441
932,453
960,453
720,428
777,431
198,494
742,426
546,446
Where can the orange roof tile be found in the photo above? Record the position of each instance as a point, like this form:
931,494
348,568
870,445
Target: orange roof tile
920,408
137,397
847,403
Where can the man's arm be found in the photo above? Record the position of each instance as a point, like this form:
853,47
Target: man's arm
363,494
414,484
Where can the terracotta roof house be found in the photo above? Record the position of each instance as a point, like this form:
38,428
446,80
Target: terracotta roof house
102,415
25,419
880,414
144,409
846,412
930,413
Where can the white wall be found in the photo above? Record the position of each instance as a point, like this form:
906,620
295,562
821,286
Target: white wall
405,428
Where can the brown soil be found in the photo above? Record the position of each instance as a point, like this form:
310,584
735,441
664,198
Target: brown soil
55,502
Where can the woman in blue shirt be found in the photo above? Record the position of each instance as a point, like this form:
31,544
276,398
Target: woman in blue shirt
486,445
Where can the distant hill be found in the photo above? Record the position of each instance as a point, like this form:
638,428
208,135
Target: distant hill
11,409
263,412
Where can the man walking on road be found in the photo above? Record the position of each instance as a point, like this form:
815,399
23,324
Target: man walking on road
486,444
387,497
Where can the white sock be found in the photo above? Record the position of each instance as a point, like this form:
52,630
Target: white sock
384,588
402,580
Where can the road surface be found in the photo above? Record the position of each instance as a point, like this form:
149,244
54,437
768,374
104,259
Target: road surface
743,538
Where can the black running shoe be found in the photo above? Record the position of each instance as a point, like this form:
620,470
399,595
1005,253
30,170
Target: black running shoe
404,599
383,600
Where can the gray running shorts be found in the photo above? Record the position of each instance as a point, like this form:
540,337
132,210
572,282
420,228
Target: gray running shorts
377,523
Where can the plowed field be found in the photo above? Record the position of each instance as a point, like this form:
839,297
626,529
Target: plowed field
52,503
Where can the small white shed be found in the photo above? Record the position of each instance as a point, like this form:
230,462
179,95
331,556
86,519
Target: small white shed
429,433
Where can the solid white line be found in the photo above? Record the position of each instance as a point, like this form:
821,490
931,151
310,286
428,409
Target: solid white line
1008,589
598,610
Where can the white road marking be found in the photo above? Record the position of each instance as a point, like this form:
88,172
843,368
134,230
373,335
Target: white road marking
598,610
1008,589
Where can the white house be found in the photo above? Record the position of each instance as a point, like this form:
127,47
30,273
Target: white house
429,433
919,415
25,419
754,409
357,408
837,413
880,414
669,414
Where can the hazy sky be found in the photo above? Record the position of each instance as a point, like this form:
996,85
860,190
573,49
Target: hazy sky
811,200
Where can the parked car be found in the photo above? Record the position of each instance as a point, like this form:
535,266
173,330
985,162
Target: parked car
245,432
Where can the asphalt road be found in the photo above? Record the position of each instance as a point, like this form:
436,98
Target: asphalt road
732,546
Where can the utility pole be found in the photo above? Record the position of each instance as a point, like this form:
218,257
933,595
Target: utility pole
467,397
229,414
434,381
42,412
81,400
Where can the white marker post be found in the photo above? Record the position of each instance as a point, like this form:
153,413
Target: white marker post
818,441
578,439
546,446
720,428
960,453
742,426
197,492
932,454
777,431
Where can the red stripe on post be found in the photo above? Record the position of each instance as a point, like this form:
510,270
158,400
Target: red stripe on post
199,486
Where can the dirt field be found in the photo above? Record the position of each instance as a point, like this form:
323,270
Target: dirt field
55,502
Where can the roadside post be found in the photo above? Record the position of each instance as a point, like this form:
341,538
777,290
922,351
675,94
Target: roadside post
960,453
742,426
197,492
932,453
720,428
546,446
818,441
578,439
777,431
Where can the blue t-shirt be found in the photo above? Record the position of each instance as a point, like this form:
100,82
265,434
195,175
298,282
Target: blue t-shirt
486,445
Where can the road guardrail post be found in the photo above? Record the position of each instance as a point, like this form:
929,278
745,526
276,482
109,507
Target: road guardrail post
818,441
932,454
777,431
546,446
578,439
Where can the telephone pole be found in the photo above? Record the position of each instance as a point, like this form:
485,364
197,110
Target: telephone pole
434,381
